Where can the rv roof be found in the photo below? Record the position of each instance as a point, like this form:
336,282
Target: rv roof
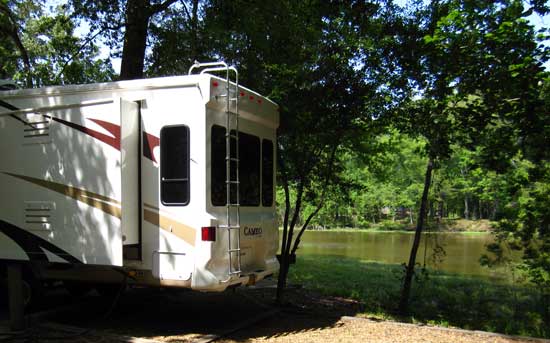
141,84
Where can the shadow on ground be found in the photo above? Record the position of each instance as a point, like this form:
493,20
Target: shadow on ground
182,316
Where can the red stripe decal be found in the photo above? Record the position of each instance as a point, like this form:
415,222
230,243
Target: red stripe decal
112,128
150,142
112,141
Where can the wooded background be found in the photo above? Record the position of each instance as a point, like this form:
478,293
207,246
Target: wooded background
388,111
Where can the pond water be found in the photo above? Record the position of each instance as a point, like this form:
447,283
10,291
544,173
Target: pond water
459,252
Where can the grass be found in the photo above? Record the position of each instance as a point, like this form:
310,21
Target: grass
437,297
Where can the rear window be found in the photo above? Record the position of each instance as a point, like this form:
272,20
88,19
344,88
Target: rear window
251,163
174,165
267,173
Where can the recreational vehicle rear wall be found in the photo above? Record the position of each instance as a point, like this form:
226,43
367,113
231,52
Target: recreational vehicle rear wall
135,180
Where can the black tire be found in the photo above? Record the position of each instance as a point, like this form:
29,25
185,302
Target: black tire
3,291
77,289
33,290
3,286
109,290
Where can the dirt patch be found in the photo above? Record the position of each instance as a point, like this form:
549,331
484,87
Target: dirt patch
459,225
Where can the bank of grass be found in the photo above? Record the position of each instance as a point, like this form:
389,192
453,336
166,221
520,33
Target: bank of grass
437,297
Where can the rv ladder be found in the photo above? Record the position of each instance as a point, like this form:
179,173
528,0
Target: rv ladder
233,213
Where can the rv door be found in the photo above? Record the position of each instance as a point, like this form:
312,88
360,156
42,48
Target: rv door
130,149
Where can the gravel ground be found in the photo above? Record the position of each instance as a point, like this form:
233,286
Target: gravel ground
149,316
355,330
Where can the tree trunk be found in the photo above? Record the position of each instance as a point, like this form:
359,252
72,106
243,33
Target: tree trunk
287,240
195,28
406,291
135,39
466,209
480,205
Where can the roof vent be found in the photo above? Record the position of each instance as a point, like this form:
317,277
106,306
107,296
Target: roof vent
7,85
37,129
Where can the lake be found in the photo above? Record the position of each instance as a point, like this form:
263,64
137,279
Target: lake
460,252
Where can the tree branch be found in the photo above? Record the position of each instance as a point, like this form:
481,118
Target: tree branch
154,9
14,35
86,42
186,10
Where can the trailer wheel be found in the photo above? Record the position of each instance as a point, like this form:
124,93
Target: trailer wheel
3,290
109,290
77,289
33,289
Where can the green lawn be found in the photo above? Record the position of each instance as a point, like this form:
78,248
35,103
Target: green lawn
438,297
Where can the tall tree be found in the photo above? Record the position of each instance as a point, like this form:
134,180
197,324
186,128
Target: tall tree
179,39
479,65
138,14
108,19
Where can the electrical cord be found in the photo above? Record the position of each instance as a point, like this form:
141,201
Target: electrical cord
122,288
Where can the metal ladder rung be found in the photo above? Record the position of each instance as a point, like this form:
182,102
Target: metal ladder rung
233,159
233,182
225,95
230,227
235,272
234,250
232,136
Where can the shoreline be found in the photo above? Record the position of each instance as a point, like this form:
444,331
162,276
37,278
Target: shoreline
394,231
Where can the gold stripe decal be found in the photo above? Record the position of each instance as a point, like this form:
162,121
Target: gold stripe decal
93,199
112,207
176,228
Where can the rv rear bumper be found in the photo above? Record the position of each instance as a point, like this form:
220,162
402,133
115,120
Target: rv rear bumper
204,280
243,280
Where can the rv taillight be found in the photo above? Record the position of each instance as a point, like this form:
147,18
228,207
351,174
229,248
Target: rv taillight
208,233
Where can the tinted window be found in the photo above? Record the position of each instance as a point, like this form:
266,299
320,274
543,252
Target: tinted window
267,173
174,165
249,168
218,168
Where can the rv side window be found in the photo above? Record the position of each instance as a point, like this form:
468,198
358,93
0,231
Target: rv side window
249,168
267,173
174,165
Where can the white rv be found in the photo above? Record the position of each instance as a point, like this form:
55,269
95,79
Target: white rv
163,182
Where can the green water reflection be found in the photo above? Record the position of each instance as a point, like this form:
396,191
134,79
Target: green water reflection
461,251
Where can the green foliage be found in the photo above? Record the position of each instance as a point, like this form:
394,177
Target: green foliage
55,55
382,186
437,297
